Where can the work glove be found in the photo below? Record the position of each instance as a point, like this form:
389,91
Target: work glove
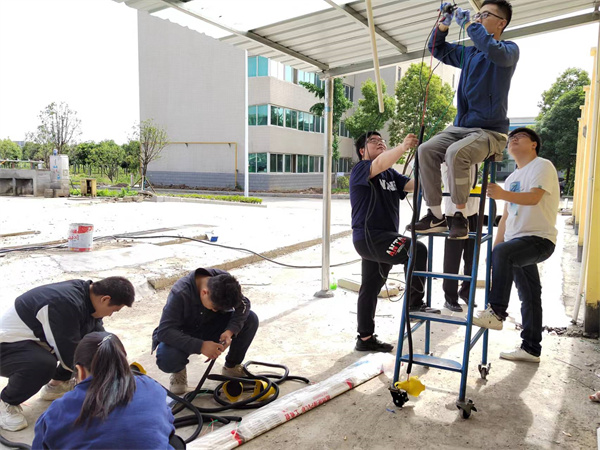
446,15
462,16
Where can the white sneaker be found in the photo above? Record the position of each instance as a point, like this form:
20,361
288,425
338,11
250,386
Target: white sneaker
488,319
50,393
518,354
178,382
11,417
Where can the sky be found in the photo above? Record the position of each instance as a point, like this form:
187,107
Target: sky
84,52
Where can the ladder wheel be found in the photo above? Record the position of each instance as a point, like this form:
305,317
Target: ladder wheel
465,414
484,370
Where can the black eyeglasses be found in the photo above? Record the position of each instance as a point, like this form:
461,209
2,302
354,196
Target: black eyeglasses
485,15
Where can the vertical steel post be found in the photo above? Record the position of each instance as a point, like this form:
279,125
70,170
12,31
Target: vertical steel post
246,160
328,153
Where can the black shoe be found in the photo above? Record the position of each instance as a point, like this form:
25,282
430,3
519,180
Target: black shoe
465,298
460,227
452,306
430,224
372,345
423,308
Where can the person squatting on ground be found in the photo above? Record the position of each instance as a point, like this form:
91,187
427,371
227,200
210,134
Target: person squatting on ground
205,314
375,193
526,236
481,122
455,249
42,328
109,407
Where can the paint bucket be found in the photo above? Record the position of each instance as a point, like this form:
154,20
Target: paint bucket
80,237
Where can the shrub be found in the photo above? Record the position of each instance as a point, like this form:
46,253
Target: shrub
343,183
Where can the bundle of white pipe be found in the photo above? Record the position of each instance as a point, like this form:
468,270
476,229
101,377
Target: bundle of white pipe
294,404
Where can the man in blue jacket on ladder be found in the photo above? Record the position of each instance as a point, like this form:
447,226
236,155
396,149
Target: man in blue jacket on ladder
481,122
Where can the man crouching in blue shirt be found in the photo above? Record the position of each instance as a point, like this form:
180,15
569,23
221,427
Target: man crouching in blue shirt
205,314
375,193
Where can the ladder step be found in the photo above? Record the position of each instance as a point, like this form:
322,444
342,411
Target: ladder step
457,320
472,235
447,276
434,361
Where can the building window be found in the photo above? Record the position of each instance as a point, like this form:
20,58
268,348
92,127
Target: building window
251,66
280,163
289,74
276,116
262,115
251,115
300,120
257,163
263,66
294,120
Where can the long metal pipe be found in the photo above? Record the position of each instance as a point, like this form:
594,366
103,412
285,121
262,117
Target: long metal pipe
375,56
328,154
593,134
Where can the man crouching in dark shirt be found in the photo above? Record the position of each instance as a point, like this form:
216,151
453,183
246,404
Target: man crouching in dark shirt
375,193
205,314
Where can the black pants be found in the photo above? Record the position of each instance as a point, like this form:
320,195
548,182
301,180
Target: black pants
28,367
379,254
171,360
453,250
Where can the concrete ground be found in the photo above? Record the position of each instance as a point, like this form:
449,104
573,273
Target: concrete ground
520,405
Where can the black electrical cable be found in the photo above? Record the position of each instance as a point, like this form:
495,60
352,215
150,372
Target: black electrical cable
11,444
202,414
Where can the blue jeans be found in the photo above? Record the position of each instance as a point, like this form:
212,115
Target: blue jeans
517,260
170,359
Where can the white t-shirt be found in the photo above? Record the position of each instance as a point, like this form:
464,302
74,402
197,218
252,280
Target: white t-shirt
534,220
449,207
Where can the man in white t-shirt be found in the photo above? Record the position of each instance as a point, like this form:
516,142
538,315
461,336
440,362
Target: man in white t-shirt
526,236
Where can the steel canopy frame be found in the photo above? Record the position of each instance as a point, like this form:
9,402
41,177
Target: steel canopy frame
275,47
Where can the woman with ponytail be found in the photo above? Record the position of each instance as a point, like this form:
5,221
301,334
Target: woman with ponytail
110,407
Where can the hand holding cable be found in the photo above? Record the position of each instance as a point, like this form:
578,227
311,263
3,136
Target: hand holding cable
212,350
448,13
462,17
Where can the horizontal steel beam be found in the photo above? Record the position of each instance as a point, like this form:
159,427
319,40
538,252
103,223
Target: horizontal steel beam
182,7
525,31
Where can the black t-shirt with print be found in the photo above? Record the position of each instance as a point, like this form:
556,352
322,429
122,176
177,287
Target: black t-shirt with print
378,198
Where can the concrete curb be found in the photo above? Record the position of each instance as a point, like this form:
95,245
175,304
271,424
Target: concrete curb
167,281
164,199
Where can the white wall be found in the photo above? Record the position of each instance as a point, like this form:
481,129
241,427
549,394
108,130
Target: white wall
194,86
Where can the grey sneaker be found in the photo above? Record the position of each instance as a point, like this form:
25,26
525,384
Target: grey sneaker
518,354
11,417
178,382
236,371
50,392
488,319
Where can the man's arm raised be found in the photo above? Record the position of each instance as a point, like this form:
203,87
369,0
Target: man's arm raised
388,158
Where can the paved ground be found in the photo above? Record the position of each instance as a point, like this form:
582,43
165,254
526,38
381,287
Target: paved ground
520,405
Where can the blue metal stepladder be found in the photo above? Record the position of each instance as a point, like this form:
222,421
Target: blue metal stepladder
426,359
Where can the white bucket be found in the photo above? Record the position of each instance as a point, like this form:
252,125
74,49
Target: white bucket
80,237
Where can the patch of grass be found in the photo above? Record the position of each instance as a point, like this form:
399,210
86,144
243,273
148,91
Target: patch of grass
340,191
124,192
225,198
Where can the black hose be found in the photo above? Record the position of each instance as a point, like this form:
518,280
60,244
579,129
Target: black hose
11,444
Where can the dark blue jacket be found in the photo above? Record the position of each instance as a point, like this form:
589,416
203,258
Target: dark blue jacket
487,68
184,317
144,423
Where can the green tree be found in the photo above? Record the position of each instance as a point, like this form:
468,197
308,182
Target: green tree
558,129
367,116
410,92
109,156
10,150
569,80
153,139
131,160
340,105
58,129
35,151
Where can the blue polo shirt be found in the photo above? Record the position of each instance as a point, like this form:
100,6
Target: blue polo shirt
375,202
